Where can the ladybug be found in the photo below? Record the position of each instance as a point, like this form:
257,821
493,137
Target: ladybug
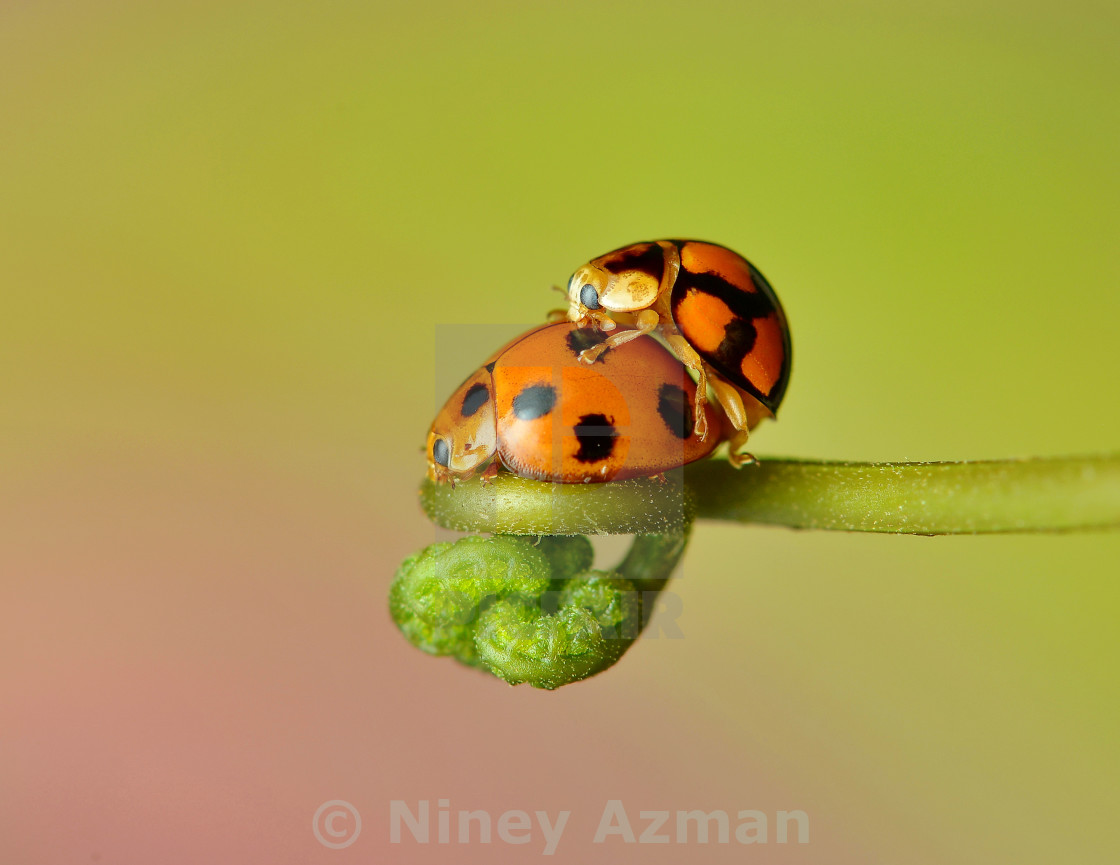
535,409
713,307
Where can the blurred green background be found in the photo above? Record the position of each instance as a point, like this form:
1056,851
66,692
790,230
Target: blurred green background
230,234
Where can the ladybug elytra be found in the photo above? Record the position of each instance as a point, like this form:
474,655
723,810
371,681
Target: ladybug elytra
535,409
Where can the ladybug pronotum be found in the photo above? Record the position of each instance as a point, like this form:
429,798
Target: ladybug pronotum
535,409
717,312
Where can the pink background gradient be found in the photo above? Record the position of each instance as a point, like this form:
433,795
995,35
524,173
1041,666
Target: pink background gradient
233,239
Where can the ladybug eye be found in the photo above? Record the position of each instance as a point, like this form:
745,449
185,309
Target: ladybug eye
441,453
589,297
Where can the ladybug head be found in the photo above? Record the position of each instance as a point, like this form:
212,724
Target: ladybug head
453,456
586,286
626,280
462,440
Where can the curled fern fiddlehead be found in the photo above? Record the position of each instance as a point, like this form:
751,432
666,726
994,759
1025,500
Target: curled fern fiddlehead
530,609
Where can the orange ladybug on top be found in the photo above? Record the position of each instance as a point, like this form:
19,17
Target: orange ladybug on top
717,312
535,409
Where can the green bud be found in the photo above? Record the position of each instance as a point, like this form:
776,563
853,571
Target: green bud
438,595
597,620
528,609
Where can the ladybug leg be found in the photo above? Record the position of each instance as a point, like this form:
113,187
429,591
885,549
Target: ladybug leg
688,356
732,403
646,322
591,318
735,455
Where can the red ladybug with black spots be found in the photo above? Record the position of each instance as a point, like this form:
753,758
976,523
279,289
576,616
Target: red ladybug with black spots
713,307
536,410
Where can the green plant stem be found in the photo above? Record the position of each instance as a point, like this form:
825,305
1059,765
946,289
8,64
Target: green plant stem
942,498
512,505
1029,495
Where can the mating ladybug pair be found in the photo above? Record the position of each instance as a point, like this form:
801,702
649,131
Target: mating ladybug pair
596,398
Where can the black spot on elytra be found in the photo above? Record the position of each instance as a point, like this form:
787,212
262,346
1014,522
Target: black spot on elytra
475,399
647,258
675,409
534,402
740,334
490,366
596,436
738,339
582,338
441,453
